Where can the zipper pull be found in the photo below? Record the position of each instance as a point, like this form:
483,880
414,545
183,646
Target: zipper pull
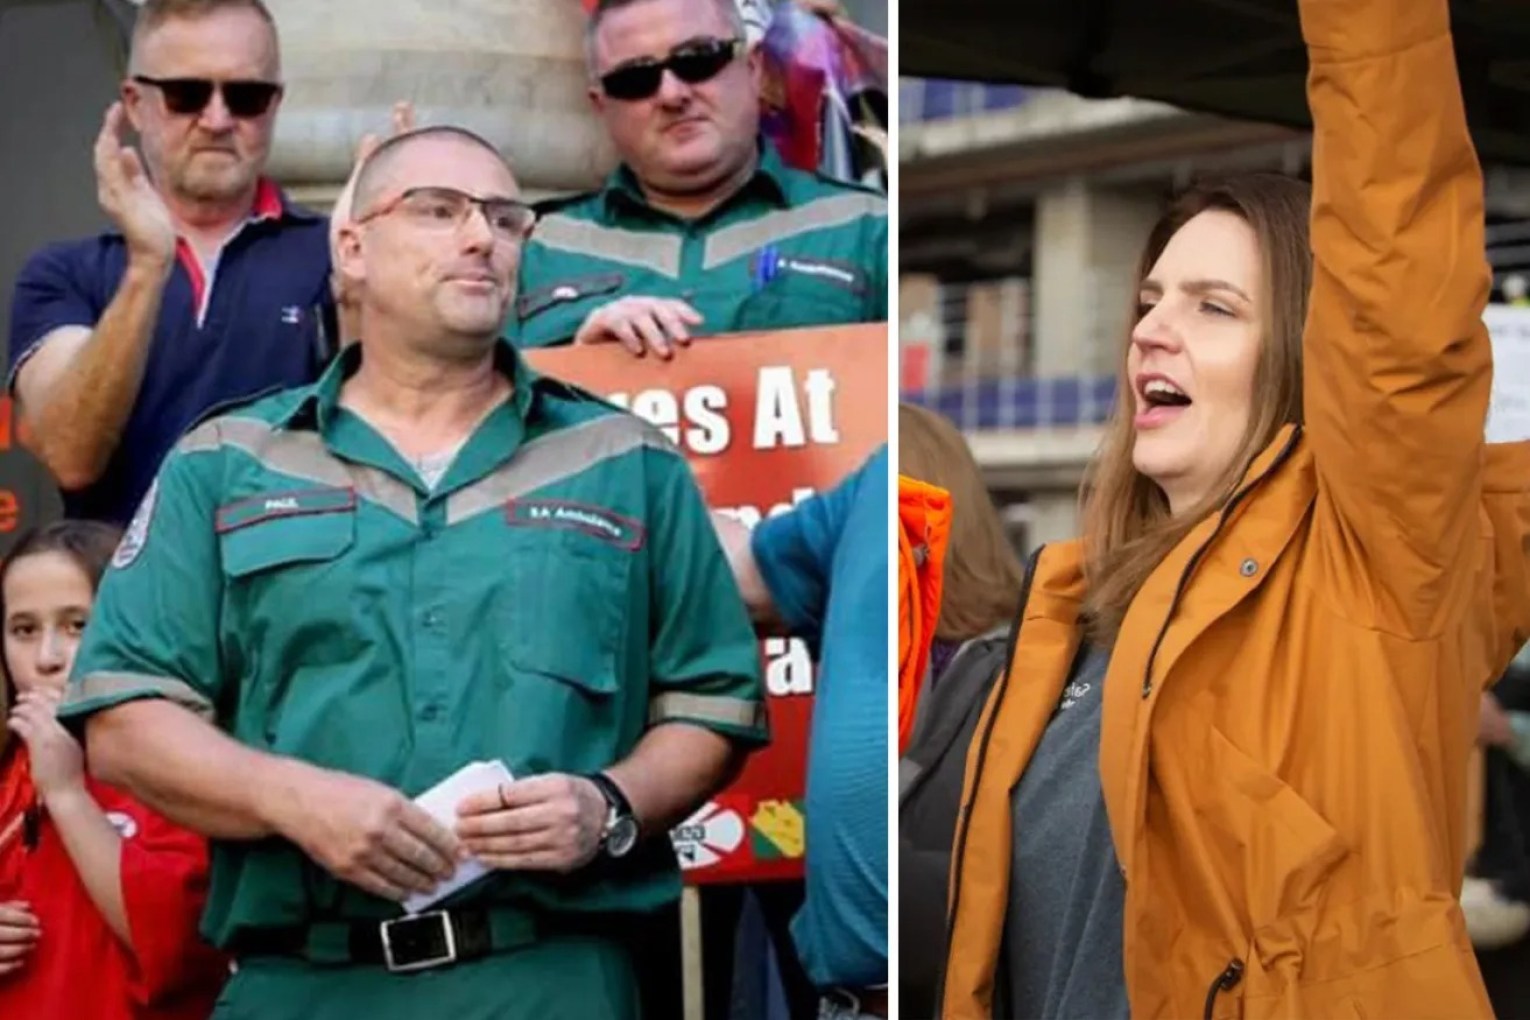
1226,981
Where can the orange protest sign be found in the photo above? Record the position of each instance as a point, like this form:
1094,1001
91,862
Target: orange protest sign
765,420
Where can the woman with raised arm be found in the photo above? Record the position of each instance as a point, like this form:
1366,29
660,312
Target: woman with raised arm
1224,774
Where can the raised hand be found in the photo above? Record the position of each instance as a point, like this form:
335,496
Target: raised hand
128,196
54,756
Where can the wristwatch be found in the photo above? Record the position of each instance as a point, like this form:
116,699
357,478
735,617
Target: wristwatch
620,834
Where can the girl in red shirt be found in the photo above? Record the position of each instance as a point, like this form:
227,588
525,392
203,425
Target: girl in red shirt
99,896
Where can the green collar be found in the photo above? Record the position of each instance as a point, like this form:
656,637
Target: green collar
622,188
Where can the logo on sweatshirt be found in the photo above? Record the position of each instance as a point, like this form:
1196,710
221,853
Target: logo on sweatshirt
124,824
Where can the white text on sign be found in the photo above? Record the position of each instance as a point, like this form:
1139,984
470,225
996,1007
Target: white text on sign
694,420
788,667
778,418
789,412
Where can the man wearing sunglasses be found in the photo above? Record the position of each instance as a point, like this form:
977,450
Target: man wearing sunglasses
702,230
210,286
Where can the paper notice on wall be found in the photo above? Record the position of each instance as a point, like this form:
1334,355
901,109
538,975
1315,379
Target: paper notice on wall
1509,412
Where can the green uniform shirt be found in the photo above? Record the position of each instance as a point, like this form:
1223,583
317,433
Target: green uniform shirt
789,249
560,592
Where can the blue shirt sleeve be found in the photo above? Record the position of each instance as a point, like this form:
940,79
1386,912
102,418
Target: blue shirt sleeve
795,556
49,293
825,564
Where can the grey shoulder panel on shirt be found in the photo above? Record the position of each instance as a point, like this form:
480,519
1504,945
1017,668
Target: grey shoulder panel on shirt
300,454
553,457
653,250
823,213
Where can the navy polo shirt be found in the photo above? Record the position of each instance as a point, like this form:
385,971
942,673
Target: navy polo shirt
260,318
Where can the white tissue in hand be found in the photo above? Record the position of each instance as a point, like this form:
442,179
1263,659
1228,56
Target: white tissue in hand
440,802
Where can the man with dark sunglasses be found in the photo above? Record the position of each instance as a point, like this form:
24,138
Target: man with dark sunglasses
702,230
210,287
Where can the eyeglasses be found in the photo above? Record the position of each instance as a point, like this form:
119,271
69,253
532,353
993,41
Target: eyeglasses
448,209
693,63
244,99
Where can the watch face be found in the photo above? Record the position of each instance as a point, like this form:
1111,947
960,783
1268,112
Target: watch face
622,837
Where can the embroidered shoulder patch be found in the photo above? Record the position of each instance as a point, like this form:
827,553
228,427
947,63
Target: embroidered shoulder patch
597,522
137,534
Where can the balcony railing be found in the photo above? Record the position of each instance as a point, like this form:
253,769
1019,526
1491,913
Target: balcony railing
936,99
988,404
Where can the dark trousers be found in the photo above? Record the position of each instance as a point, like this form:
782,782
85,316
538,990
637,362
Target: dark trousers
726,965
1504,857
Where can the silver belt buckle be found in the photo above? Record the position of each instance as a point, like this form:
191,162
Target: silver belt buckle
408,931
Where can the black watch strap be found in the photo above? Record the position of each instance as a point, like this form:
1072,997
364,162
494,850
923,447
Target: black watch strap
613,793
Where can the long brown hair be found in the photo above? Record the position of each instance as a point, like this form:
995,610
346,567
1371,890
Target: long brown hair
1127,526
982,573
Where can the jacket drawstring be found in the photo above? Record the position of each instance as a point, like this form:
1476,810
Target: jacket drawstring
1226,981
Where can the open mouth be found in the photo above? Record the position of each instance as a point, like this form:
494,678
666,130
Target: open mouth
1160,401
1160,392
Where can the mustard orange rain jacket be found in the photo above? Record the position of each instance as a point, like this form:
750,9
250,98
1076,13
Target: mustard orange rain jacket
924,518
1292,700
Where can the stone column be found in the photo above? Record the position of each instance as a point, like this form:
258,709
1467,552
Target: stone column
510,70
1053,517
1088,239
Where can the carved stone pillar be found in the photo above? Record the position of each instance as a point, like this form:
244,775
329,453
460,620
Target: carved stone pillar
510,70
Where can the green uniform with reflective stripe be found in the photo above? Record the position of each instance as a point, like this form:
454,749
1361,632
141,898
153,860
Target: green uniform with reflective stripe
559,592
789,249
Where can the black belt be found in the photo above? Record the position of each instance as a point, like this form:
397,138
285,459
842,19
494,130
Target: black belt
860,1001
421,941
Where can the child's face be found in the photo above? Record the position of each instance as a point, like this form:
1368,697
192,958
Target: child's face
47,600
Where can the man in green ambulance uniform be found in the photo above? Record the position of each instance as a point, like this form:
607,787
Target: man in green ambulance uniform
702,229
335,597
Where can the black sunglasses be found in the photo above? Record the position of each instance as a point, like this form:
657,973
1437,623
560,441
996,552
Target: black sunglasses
244,99
693,63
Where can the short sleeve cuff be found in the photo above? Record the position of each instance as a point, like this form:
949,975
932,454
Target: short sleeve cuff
743,719
96,692
21,360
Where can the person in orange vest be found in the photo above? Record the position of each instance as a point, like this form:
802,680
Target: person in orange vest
924,527
1225,773
981,576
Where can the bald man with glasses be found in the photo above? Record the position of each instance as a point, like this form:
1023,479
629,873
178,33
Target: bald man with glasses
339,595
